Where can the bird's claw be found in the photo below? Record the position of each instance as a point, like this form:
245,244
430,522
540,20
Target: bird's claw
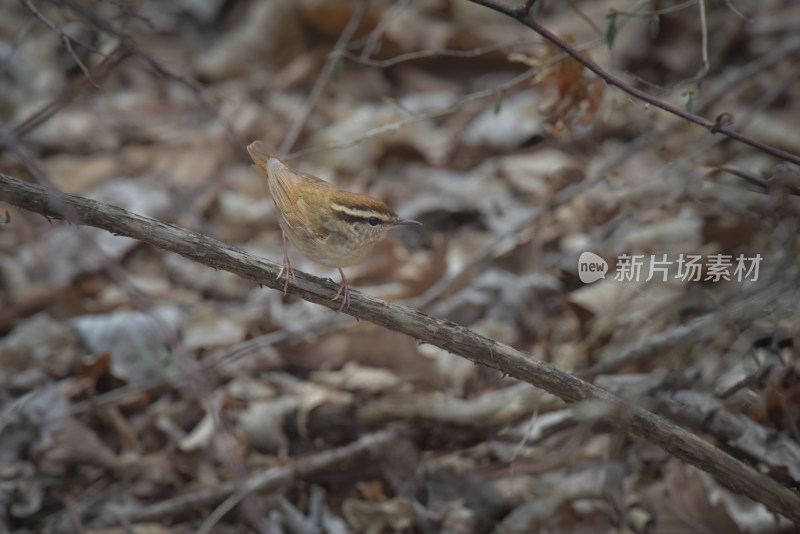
344,292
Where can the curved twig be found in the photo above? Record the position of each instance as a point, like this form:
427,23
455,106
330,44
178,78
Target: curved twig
323,77
521,14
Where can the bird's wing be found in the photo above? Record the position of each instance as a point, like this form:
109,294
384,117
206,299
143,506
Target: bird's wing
287,187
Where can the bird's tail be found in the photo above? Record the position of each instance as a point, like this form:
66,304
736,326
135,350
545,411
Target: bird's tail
260,154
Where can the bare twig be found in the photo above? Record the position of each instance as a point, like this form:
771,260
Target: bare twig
130,43
752,178
736,11
117,395
452,108
70,92
324,76
374,37
520,14
731,473
731,78
701,4
18,38
685,333
422,54
209,98
662,11
269,480
725,119
585,18
66,39
393,126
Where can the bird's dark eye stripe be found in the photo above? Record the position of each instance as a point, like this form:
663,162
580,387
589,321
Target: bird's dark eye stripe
346,217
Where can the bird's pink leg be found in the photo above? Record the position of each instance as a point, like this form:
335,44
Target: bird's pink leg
287,267
344,292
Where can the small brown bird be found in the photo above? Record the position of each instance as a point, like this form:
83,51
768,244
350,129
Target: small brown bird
333,227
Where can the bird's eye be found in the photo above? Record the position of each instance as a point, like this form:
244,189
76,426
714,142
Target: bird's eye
373,221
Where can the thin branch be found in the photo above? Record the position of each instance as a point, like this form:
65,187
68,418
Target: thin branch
736,11
753,110
375,35
662,11
520,14
731,473
585,18
501,244
266,481
691,332
757,180
66,39
131,44
309,330
452,108
14,46
701,4
323,77
422,54
731,78
128,42
750,177
71,91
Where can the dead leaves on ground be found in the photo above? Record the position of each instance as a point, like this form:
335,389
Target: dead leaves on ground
110,411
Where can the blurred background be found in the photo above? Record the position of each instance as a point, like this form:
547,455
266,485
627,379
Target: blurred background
139,390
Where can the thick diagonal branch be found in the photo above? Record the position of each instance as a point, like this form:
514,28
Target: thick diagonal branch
684,445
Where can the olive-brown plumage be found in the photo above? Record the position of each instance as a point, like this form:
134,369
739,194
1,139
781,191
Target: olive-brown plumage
333,227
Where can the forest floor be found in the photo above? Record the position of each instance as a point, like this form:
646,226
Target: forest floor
142,392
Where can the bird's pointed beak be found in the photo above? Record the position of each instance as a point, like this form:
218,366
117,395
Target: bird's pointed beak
406,222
